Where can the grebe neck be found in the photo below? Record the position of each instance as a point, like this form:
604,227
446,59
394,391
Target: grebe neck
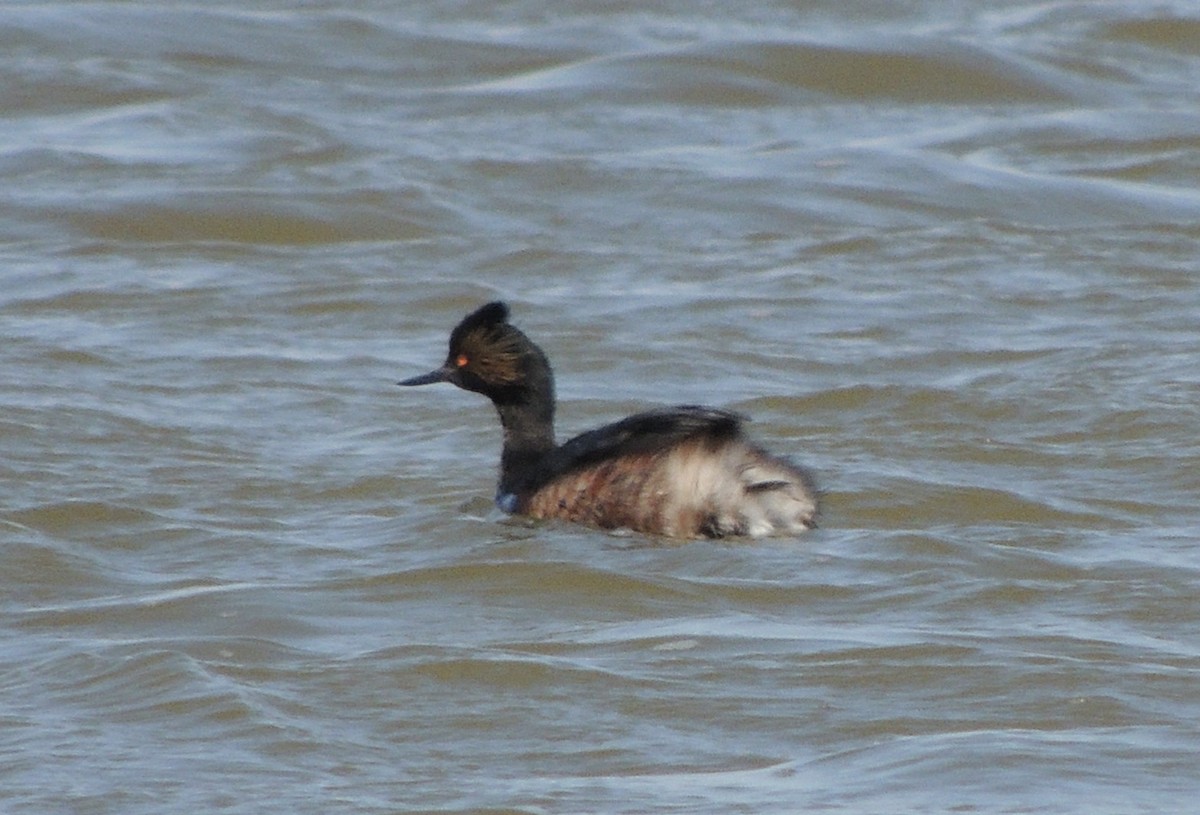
528,438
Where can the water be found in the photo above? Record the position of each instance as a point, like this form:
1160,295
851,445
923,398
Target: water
943,253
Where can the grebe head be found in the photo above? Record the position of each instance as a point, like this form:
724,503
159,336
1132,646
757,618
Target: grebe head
489,356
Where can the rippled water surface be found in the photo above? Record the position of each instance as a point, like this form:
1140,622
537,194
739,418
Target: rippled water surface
945,254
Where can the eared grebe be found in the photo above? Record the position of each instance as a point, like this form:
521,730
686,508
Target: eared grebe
681,472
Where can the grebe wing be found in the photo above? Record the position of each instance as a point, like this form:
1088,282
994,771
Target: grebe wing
644,433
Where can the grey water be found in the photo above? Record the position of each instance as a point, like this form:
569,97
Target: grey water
943,254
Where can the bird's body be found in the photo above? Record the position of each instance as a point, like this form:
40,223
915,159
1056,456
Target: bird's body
682,472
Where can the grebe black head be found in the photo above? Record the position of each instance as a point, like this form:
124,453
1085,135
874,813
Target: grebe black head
489,356
681,472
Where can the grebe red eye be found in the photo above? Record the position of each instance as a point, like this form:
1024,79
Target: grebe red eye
461,361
